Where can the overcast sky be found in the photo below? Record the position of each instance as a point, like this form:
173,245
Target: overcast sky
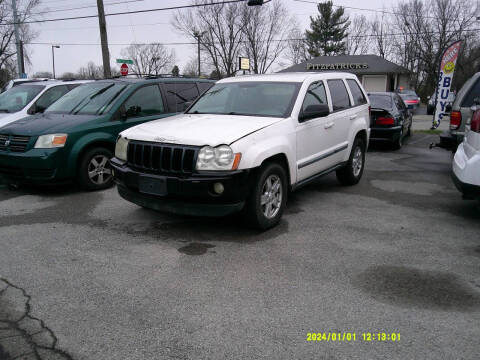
125,29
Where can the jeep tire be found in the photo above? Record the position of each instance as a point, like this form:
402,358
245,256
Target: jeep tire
352,172
267,201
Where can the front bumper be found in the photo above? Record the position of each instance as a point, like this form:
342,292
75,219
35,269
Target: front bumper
385,134
186,194
35,166
465,174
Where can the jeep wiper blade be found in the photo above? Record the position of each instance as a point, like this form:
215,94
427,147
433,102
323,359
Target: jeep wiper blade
4,110
238,113
196,112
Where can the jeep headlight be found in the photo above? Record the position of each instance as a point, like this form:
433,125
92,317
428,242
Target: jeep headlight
121,148
51,141
218,158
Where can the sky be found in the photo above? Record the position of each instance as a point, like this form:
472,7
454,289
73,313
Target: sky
125,29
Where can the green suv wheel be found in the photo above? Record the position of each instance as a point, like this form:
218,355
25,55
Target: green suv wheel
94,172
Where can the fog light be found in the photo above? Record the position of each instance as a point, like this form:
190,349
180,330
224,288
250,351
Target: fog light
218,188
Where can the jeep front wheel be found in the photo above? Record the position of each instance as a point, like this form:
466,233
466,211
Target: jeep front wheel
267,201
94,172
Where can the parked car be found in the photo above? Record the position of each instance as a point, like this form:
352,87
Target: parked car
16,82
390,119
466,162
245,144
32,98
461,113
75,137
410,98
431,102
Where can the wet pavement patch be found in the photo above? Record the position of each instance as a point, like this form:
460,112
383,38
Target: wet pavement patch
23,336
195,248
409,287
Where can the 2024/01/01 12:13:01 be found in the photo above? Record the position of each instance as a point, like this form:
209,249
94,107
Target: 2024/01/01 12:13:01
352,336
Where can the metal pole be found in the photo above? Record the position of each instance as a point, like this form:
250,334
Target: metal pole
104,39
17,38
53,60
199,73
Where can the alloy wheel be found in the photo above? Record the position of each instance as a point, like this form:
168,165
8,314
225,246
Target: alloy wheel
357,161
98,171
271,198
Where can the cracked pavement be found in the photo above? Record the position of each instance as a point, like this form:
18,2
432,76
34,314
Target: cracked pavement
90,276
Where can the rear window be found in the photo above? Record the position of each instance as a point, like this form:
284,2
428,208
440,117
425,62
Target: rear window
380,101
472,94
179,94
357,93
339,94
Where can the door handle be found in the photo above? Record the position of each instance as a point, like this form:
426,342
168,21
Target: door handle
329,125
353,117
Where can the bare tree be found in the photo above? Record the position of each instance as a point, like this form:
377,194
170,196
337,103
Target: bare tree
152,59
191,68
382,42
219,29
358,40
91,71
264,27
296,51
27,9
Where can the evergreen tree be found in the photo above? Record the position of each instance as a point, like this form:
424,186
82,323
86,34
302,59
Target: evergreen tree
175,71
327,31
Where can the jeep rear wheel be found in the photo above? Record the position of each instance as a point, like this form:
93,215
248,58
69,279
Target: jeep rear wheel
352,172
94,172
267,201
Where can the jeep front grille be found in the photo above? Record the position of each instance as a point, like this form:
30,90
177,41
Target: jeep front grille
162,158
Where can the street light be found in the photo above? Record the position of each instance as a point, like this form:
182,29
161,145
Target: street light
198,35
53,58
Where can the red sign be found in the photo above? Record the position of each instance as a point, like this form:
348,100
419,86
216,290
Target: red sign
124,69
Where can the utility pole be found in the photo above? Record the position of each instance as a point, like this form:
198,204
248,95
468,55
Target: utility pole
198,35
107,73
17,39
53,58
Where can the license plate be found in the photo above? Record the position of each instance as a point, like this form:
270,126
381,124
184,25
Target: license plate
152,185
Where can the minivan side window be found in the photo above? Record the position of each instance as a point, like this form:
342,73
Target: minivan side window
357,93
49,97
146,101
473,93
178,94
315,95
339,95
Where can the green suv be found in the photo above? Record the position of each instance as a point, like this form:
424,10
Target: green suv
75,137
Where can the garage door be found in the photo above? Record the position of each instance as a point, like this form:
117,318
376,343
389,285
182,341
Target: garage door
375,82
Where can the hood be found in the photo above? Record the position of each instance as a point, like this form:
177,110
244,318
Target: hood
45,124
8,118
199,129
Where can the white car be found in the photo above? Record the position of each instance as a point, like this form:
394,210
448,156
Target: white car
31,98
466,162
245,144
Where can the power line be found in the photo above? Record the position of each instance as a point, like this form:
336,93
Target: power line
371,10
87,7
125,12
274,40
109,26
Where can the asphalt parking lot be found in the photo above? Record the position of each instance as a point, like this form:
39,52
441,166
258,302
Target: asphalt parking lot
90,276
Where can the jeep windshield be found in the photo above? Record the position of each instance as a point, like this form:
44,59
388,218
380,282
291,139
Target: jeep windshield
88,99
252,98
16,98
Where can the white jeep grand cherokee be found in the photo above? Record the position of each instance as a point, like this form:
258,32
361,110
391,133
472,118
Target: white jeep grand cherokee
245,144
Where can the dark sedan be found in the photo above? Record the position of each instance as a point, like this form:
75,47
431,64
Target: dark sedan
390,119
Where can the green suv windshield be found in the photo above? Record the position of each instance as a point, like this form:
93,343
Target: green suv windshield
253,98
91,99
18,97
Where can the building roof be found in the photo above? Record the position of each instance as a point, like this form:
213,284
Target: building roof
288,77
368,64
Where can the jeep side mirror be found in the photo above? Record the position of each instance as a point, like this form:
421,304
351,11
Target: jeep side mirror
448,108
476,100
314,111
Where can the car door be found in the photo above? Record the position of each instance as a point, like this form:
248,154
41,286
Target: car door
144,104
342,117
405,115
315,143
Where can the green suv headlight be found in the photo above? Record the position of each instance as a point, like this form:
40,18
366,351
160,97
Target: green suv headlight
121,148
